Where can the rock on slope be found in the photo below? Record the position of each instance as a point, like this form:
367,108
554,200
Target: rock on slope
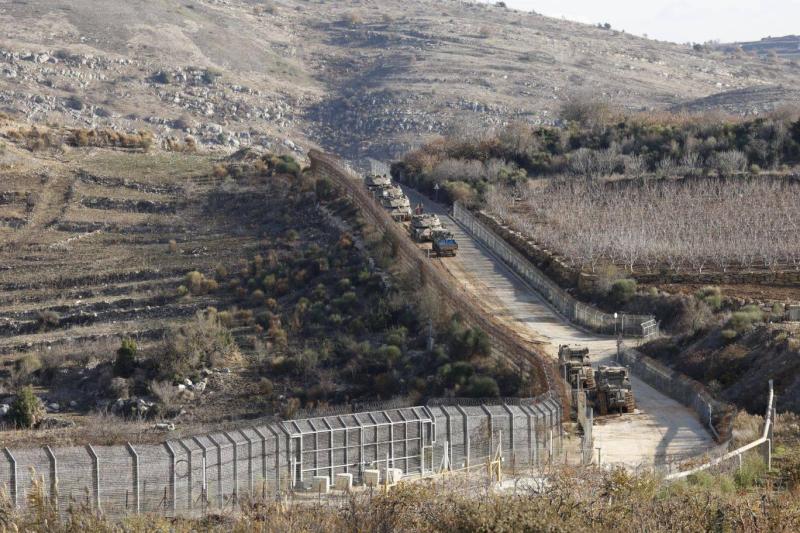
360,77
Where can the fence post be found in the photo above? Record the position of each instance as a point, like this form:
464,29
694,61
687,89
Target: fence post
277,456
189,487
448,431
235,466
53,475
204,485
346,458
95,475
220,492
511,434
13,478
249,463
172,475
466,432
491,427
135,460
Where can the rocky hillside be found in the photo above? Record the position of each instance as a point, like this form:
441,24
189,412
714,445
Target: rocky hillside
787,46
360,77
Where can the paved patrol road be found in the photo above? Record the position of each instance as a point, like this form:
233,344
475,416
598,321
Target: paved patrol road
660,430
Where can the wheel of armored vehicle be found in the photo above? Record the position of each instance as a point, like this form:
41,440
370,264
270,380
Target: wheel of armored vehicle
630,402
602,403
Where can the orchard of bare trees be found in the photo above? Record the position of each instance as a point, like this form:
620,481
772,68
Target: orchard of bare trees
692,225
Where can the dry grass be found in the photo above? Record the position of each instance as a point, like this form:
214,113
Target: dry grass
565,500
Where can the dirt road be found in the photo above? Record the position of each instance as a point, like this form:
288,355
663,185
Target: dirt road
660,430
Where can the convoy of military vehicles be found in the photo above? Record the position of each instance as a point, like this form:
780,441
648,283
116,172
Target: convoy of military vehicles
423,227
608,388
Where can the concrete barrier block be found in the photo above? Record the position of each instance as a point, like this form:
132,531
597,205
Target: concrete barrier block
372,478
394,475
343,482
321,484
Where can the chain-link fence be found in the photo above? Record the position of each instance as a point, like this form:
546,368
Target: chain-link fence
575,311
218,470
715,414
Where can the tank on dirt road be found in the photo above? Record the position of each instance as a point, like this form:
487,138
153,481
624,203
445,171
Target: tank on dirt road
395,201
576,368
614,391
375,181
423,226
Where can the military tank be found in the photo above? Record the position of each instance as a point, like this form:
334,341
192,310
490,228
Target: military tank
376,181
423,226
396,202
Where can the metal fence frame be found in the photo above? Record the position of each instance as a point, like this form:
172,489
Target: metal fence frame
764,442
217,471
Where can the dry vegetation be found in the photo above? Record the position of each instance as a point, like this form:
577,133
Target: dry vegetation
177,286
240,72
560,499
688,225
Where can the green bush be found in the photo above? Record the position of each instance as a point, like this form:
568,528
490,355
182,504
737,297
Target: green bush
203,342
25,367
752,470
324,189
27,409
125,363
466,343
743,320
712,296
482,387
622,291
287,165
454,375
397,336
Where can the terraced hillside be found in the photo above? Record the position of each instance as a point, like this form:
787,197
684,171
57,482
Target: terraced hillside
87,254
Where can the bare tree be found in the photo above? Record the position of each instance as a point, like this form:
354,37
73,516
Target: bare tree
730,163
691,225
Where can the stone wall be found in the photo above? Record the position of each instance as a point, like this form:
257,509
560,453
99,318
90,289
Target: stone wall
544,260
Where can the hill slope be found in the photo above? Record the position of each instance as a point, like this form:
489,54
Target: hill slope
358,77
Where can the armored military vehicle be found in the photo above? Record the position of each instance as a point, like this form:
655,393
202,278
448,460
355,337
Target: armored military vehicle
423,226
444,243
396,202
614,390
576,368
374,181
